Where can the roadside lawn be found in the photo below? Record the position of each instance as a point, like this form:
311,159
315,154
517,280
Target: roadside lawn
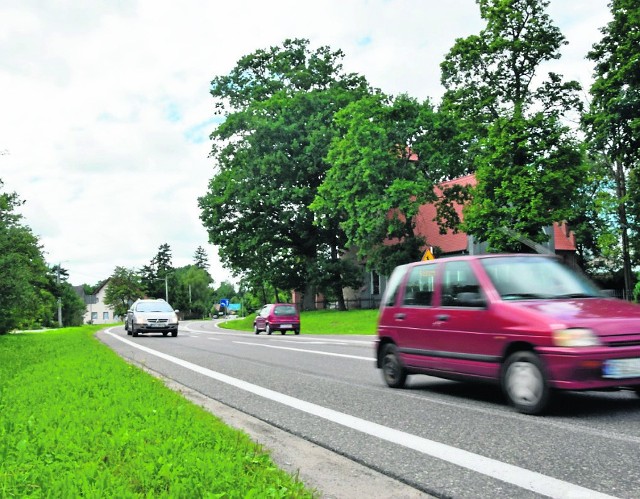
321,322
78,421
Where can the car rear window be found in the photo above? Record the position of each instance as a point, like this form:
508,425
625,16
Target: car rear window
285,310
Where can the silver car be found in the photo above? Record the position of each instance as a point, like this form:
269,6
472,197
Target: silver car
151,316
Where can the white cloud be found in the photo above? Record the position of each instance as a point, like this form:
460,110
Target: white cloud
106,109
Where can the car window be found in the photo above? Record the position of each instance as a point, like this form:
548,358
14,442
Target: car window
264,312
285,310
460,287
393,284
536,277
419,287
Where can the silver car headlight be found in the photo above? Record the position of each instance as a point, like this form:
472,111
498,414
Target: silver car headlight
575,337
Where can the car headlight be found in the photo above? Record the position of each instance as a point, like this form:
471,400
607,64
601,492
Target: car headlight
575,337
139,320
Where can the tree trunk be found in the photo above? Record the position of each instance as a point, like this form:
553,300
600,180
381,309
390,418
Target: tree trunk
309,298
621,190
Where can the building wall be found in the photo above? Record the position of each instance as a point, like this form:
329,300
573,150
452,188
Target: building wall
99,312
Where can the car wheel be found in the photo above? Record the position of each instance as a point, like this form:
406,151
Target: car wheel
394,373
283,332
267,329
255,329
297,331
164,333
524,383
134,331
174,333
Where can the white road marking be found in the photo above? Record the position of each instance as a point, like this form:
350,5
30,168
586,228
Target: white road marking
305,351
520,477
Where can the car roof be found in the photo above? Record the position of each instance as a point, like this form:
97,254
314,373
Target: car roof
483,257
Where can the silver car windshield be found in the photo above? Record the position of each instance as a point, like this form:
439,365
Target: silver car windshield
522,278
153,306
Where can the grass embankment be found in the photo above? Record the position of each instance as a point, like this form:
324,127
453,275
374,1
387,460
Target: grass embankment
78,421
322,322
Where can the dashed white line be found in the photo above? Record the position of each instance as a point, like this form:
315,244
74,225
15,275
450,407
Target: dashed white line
318,352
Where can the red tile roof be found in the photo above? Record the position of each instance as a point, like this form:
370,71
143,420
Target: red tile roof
452,242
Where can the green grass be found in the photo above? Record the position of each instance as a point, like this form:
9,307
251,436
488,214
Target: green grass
322,322
78,421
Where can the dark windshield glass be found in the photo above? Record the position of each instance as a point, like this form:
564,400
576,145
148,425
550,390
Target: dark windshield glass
526,278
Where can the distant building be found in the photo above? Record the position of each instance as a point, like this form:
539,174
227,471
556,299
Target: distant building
98,312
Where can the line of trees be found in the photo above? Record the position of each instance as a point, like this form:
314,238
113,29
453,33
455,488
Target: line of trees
316,171
31,292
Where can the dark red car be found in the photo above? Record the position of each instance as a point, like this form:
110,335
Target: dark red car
281,317
525,321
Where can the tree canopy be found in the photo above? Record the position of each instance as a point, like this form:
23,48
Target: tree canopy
612,122
528,163
278,106
26,298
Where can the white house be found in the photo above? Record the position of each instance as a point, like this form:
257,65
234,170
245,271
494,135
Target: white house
97,311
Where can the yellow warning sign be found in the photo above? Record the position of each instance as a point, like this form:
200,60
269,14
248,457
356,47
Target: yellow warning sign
428,255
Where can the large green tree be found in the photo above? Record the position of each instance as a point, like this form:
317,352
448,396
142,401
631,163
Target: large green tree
191,293
612,122
278,107
158,278
124,288
26,298
384,163
528,162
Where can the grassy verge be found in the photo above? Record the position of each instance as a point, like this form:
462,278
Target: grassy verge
78,421
322,322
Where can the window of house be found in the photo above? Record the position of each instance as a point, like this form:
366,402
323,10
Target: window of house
105,316
94,316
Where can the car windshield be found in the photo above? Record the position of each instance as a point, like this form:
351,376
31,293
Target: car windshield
153,306
528,278
285,310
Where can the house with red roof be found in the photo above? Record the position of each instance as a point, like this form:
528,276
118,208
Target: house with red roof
561,241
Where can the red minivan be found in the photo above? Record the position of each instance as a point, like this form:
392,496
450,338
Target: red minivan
527,322
281,317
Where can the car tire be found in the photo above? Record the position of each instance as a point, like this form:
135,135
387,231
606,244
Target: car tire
164,333
174,333
134,332
524,383
297,331
283,332
267,329
393,372
255,329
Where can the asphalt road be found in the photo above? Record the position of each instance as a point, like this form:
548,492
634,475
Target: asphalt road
442,438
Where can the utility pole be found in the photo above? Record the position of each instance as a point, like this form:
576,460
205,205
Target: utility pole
59,297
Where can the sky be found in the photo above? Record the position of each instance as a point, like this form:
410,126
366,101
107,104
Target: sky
105,111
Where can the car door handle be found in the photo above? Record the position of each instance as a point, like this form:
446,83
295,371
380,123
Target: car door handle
442,318
400,317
